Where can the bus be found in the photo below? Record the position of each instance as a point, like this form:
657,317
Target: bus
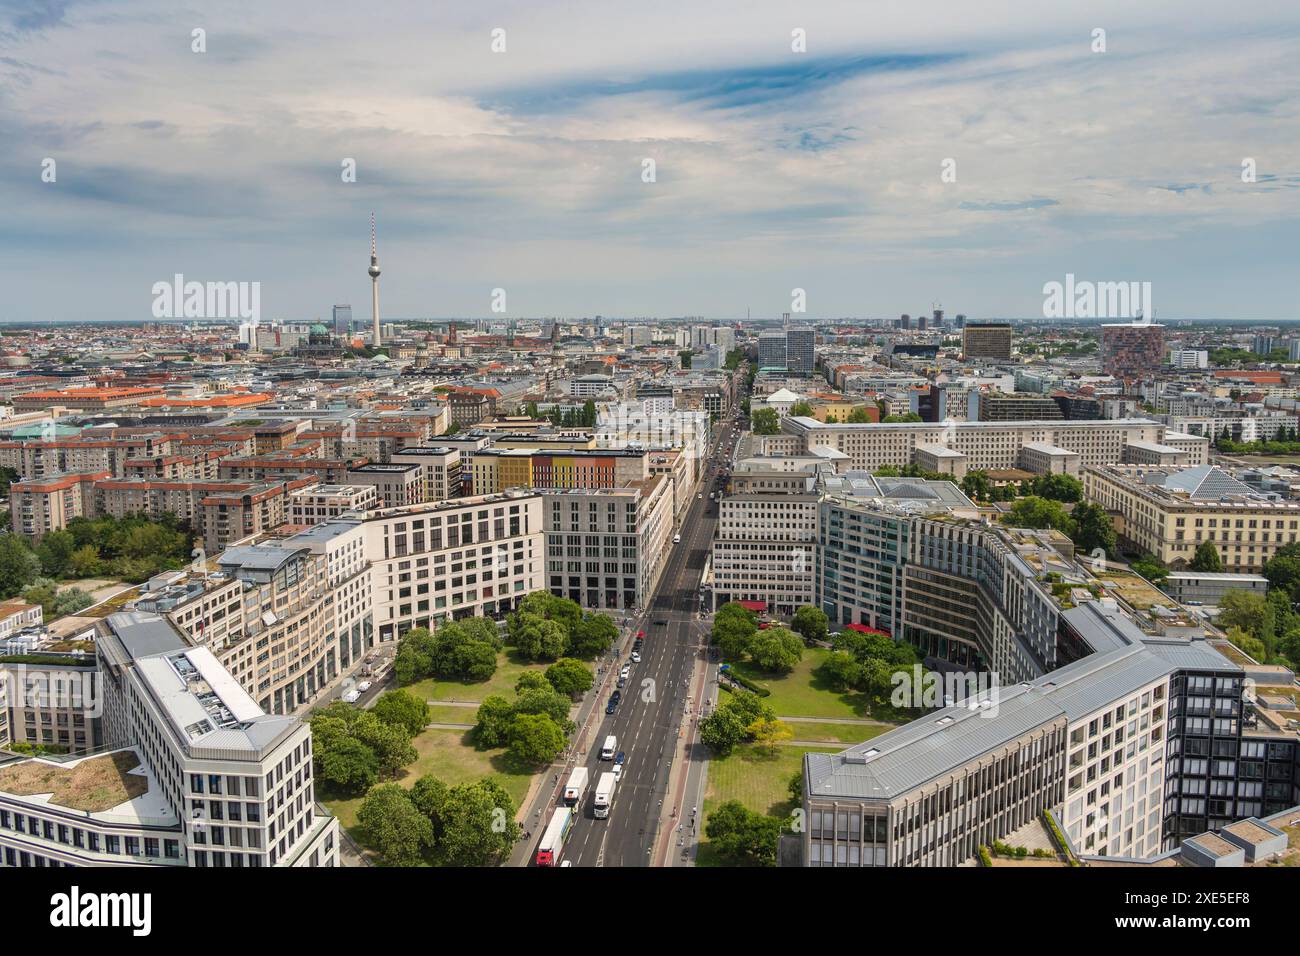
557,831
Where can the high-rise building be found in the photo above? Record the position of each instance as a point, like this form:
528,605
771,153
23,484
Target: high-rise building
986,340
1132,350
342,319
771,350
800,353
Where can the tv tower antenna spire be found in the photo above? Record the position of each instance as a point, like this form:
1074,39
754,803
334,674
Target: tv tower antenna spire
374,284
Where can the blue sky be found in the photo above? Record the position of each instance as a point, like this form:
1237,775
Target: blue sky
775,170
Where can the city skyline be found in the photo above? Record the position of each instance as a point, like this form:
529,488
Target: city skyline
523,171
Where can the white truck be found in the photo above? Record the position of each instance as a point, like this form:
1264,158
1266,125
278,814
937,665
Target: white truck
576,787
604,795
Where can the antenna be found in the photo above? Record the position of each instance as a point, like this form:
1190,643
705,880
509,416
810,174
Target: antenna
373,248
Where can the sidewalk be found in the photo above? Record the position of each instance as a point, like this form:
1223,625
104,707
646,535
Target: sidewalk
675,813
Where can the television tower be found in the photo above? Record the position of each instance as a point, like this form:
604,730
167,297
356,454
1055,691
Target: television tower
374,282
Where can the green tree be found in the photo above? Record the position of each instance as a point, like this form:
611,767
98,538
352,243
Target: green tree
841,670
475,825
18,566
1094,530
801,409
764,421
742,837
348,766
492,721
400,833
1035,512
84,562
55,553
535,739
390,742
722,730
776,650
1058,487
811,623
1207,558
570,677
592,636
403,709
1151,568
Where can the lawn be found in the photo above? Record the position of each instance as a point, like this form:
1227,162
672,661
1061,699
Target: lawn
509,667
759,781
451,715
452,758
91,786
836,733
802,693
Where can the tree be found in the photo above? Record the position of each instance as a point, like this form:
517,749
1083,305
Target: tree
55,553
764,421
734,628
540,639
975,485
795,787
741,836
394,827
769,734
1035,512
841,670
570,677
535,739
18,566
84,562
801,409
722,730
1151,568
776,650
860,416
1246,610
1094,531
531,680
1207,558
1058,487
907,417
475,824
390,742
403,709
492,721
349,766
811,623
592,636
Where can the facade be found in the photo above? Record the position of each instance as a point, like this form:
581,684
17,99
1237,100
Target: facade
987,445
396,484
39,506
1020,407
322,502
1208,587
1132,350
987,340
1169,513
800,351
771,350
460,558
442,469
764,550
606,548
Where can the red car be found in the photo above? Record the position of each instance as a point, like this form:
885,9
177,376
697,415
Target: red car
640,635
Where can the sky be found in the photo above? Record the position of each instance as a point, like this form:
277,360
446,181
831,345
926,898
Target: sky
910,154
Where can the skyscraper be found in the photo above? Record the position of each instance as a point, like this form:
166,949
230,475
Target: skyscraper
374,284
987,340
800,356
771,350
1132,350
342,319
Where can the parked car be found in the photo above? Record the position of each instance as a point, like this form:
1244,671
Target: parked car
363,686
352,696
611,706
636,657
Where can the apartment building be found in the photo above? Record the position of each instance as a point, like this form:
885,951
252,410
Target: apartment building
464,557
233,514
441,469
1132,350
50,700
396,484
41,505
1169,513
606,548
43,459
987,340
322,502
494,470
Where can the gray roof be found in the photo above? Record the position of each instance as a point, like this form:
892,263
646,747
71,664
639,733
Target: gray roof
1207,481
946,740
258,557
144,634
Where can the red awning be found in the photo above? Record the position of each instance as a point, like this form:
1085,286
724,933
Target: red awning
756,606
863,629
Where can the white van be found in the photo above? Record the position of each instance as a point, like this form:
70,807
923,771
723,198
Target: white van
611,747
677,539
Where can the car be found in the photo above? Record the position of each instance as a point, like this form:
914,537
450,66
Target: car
699,496
626,671
677,539
640,635
620,757
636,657
364,686
611,706
617,771
616,697
352,696
661,622
622,681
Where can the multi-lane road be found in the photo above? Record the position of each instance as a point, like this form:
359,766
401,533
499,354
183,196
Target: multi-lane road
655,699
